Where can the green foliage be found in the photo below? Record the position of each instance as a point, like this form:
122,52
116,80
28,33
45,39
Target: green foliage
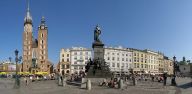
183,63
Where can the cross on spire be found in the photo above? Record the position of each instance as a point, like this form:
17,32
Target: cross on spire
27,5
28,17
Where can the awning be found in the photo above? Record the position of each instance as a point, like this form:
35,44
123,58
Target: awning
41,73
3,73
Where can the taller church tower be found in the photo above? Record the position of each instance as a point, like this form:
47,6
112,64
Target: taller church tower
27,41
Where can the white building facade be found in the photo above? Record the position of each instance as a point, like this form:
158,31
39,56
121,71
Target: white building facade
64,62
79,58
153,62
119,59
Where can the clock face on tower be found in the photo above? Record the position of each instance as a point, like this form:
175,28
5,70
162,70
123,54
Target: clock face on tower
42,27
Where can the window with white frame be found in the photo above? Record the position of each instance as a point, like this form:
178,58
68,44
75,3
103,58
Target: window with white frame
113,64
118,65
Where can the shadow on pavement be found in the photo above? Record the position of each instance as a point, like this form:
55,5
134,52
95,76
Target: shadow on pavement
185,86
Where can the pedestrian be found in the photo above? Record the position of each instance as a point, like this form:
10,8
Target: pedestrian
31,78
164,79
37,78
25,79
152,77
61,80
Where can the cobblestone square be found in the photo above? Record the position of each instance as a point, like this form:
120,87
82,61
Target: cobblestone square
50,87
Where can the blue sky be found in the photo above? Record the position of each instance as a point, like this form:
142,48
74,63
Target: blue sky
159,25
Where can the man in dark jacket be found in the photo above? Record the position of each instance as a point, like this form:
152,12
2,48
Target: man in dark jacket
164,79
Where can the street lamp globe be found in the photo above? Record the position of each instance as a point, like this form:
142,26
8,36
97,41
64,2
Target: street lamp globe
174,58
16,52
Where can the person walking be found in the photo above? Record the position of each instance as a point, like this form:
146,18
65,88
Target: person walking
26,81
31,78
164,79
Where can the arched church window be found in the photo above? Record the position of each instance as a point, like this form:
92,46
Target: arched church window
42,35
41,41
26,35
34,54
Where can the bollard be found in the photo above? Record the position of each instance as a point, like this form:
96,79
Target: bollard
134,81
59,82
64,82
83,83
120,84
88,84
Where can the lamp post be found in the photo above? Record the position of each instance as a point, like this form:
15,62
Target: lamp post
173,82
17,81
120,71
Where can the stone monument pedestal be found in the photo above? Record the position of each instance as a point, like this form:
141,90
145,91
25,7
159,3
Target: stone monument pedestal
98,48
97,70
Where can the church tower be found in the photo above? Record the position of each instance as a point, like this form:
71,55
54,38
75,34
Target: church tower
27,41
42,46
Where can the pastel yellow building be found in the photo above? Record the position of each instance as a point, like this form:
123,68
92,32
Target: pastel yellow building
64,62
168,65
147,61
139,61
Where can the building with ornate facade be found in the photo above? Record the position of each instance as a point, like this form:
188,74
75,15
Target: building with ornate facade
73,60
119,59
168,65
63,66
7,66
79,59
146,61
35,51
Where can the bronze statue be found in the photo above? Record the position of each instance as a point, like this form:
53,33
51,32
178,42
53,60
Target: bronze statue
97,32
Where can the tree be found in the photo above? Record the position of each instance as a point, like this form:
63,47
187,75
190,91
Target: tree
182,63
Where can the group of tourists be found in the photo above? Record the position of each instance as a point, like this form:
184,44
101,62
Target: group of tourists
112,83
32,78
77,77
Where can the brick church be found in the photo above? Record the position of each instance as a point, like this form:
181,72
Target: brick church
35,50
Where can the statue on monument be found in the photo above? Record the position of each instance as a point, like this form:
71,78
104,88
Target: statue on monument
97,67
97,32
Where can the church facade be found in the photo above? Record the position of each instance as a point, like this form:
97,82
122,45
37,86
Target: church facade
35,51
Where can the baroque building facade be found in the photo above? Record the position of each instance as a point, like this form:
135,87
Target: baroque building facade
146,61
63,66
79,59
119,59
35,51
168,65
73,60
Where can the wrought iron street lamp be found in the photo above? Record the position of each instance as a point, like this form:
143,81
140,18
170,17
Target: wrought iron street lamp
173,82
17,81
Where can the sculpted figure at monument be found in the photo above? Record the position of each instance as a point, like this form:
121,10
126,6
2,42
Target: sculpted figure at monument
97,32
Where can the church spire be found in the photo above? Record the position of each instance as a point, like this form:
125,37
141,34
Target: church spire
28,17
43,25
43,21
